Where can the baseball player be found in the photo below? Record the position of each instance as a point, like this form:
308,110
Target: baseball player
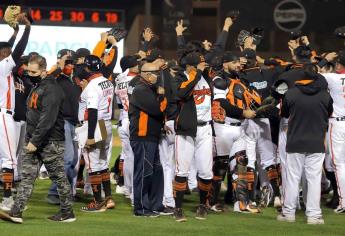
8,147
193,133
95,105
129,66
336,85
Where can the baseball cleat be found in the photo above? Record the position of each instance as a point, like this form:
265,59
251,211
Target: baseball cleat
120,189
286,218
315,221
6,204
339,210
11,217
167,211
201,212
63,217
95,207
110,203
179,216
253,208
217,208
147,214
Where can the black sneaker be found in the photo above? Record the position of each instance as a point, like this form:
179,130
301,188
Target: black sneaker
147,214
63,217
11,217
201,212
179,216
167,211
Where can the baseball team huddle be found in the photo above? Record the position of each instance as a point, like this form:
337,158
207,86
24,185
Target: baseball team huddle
262,130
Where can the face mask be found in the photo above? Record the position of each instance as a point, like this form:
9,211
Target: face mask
34,79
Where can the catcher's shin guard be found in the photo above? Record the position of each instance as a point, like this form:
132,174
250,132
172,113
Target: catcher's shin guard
240,183
219,170
273,177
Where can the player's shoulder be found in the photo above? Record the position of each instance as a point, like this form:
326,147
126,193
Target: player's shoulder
7,62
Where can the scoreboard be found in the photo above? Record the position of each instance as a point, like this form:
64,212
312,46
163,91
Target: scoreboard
74,17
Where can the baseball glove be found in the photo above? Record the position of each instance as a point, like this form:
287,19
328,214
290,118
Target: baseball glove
118,33
11,14
218,113
266,106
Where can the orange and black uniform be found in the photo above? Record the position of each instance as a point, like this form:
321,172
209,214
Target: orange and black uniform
146,114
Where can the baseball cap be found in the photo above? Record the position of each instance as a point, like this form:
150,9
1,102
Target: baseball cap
63,52
4,45
194,58
153,55
249,53
130,61
229,57
82,52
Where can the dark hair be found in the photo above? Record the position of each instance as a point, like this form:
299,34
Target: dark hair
41,61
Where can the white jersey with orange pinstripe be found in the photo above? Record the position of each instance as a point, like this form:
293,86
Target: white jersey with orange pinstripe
121,88
98,94
336,131
7,88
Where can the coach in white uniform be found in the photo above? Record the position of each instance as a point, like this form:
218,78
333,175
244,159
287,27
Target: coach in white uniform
308,106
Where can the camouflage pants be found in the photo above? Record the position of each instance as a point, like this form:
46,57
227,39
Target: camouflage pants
52,157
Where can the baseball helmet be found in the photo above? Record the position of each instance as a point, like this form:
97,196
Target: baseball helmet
93,63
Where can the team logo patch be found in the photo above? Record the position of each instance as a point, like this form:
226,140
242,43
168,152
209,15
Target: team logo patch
199,95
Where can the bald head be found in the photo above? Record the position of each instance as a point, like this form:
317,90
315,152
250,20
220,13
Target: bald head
150,72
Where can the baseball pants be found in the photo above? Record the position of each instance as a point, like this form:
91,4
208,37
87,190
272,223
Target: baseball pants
311,165
8,137
96,158
127,155
166,154
199,148
337,150
148,180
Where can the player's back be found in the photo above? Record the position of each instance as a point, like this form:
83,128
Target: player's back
336,86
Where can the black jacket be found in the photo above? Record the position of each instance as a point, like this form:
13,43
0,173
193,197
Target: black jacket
186,121
23,87
308,106
146,112
71,103
44,115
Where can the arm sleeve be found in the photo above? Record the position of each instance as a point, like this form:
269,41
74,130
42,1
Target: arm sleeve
12,39
220,44
185,88
20,48
99,49
145,46
92,122
51,101
330,107
108,69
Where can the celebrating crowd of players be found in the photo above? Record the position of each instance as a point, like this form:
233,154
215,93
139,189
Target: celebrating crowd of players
185,125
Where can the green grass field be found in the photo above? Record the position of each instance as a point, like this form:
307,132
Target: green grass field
121,221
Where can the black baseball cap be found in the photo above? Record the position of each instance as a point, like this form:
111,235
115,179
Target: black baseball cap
5,45
63,52
130,61
194,58
82,52
153,55
229,57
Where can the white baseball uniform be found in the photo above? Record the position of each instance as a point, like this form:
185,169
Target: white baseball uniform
336,131
198,149
121,91
98,94
8,129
